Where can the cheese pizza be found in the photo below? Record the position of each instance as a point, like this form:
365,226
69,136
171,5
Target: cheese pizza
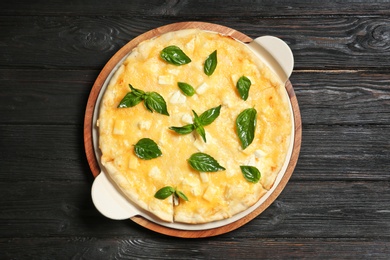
193,128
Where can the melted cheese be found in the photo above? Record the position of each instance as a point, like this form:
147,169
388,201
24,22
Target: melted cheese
212,196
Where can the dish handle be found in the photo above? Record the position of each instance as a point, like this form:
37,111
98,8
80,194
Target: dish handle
109,201
275,53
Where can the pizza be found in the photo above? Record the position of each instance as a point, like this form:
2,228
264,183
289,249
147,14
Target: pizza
193,128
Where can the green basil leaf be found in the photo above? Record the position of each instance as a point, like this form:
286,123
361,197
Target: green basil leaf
183,130
204,163
137,92
164,193
130,100
196,119
199,122
251,173
200,130
243,85
181,195
210,64
152,100
199,127
245,126
155,102
174,55
186,88
209,116
147,149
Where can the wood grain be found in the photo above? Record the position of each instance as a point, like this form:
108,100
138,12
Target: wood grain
44,97
322,209
204,10
325,97
125,248
89,42
343,98
334,152
44,153
345,153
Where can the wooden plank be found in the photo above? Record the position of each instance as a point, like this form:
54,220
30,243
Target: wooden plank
163,248
327,153
44,96
42,153
89,42
324,97
343,97
308,209
204,9
344,153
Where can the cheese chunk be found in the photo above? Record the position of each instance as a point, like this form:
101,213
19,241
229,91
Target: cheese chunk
187,118
177,98
202,88
144,125
204,177
165,80
119,127
210,193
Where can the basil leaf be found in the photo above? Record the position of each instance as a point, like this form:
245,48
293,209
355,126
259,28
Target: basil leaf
130,99
243,85
164,193
209,116
251,173
210,64
196,119
204,163
200,130
199,127
167,191
195,114
187,89
181,195
152,100
137,92
147,149
184,129
246,125
174,55
199,122
155,102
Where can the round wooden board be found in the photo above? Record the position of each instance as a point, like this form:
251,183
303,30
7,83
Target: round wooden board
88,123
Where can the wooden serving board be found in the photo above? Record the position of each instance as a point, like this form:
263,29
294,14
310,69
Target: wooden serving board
88,124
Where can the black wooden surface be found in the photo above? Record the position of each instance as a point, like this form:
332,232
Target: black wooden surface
337,203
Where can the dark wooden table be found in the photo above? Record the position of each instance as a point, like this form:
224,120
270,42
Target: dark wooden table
337,203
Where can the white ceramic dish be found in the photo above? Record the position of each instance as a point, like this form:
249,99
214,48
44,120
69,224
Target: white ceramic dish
109,200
